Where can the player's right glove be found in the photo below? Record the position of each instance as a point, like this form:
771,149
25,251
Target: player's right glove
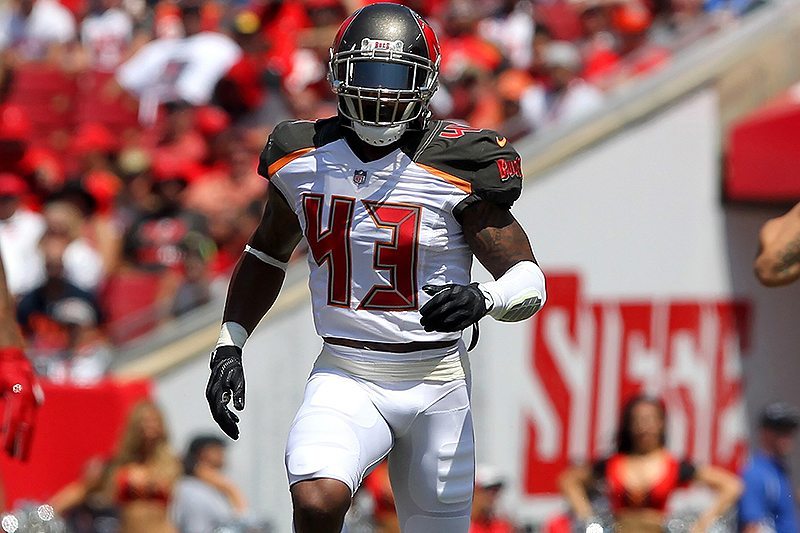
21,398
226,382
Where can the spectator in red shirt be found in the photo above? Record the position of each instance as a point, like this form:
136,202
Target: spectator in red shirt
241,91
561,17
153,243
462,49
91,149
38,166
632,21
180,140
229,188
15,134
485,519
599,43
282,23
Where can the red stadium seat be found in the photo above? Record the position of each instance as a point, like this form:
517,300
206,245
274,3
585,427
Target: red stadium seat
47,95
127,299
99,100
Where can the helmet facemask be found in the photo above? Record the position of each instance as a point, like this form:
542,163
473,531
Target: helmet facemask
381,87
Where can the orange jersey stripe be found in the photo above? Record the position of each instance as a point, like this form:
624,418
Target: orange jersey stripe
462,184
285,160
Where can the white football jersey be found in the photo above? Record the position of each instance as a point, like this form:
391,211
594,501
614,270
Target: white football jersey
378,231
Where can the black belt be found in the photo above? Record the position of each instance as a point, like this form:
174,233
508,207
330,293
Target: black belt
393,347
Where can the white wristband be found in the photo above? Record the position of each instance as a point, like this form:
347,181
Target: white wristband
232,334
517,294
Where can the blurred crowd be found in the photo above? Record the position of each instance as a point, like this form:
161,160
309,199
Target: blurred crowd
130,131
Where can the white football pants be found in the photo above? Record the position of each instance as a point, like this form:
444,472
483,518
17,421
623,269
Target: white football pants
347,425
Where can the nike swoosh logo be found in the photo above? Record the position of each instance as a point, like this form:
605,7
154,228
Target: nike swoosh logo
501,141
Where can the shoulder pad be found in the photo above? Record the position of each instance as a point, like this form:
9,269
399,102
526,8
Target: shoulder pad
293,138
482,158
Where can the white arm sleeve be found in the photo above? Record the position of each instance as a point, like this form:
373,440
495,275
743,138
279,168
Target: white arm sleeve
517,294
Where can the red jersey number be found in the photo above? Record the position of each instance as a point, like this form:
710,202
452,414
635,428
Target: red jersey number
331,246
398,255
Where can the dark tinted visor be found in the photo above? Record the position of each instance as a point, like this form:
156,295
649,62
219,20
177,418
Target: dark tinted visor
378,74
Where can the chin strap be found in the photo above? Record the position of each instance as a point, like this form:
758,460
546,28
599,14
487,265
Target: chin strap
379,135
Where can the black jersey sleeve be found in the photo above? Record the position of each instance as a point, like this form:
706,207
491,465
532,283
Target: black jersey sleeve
481,158
293,138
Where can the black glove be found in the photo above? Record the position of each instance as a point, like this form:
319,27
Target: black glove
226,381
453,307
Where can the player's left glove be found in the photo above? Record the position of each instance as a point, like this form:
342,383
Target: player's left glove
453,307
21,398
226,382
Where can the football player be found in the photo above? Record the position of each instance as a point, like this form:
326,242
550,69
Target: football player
778,261
393,206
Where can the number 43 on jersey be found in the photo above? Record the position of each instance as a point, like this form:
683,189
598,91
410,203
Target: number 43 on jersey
398,255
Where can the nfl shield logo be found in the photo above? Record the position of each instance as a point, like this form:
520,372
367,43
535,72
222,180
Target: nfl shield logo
360,177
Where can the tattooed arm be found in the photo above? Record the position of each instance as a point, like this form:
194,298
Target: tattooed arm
500,244
495,237
778,261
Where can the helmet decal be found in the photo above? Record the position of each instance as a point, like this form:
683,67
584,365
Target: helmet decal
368,44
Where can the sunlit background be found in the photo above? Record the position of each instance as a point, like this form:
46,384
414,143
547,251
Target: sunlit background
656,137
